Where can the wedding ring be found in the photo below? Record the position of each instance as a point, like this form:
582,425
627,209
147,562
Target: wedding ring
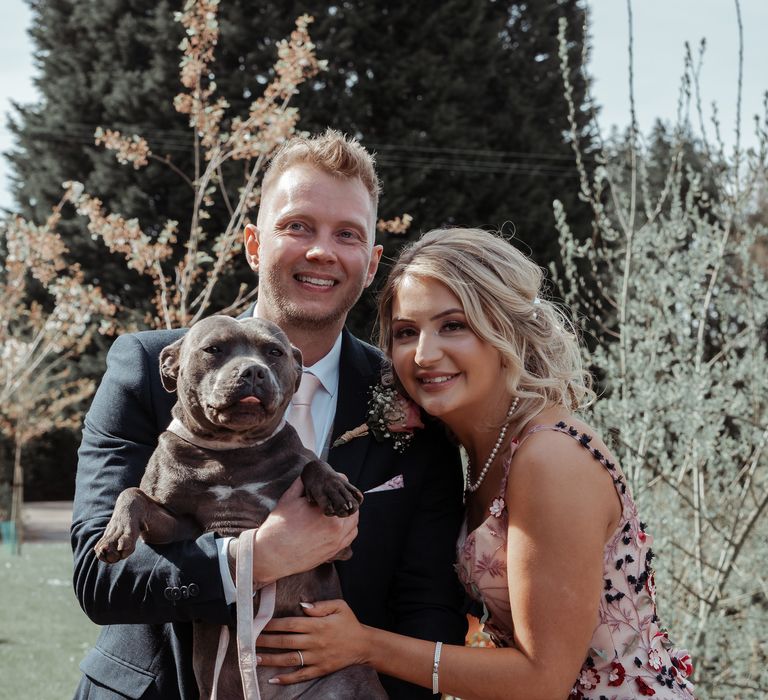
301,658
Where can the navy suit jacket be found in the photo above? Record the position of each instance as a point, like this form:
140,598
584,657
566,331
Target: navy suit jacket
399,578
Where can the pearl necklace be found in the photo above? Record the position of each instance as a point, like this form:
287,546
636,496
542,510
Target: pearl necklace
471,488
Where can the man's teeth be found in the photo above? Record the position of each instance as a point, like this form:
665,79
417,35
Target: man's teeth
315,280
437,380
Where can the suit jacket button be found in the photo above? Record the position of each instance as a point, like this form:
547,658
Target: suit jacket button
168,593
184,592
175,593
193,590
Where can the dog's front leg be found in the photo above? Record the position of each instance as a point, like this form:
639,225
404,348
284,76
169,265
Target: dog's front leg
136,514
329,489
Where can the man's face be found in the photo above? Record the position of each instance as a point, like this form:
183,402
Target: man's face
313,248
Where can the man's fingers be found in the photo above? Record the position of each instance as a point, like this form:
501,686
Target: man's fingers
294,490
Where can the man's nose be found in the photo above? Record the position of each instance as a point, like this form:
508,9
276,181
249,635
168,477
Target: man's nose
321,249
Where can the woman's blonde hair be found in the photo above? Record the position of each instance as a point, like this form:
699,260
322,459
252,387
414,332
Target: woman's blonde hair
500,290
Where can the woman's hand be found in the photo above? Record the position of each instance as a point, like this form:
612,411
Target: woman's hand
329,638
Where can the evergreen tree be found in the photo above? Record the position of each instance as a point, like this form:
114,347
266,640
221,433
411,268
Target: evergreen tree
462,102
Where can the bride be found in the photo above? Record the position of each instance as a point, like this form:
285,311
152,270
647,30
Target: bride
553,546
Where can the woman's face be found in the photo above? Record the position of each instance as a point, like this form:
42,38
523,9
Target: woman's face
447,369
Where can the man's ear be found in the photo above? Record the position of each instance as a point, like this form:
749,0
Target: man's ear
251,245
373,263
169,365
299,365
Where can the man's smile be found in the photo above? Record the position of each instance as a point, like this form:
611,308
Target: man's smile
316,281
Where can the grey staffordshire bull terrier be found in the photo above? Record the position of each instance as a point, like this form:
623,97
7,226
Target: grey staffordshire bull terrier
237,456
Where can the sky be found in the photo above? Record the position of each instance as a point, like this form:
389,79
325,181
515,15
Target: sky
661,28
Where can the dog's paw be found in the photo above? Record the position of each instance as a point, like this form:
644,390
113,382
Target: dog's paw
118,542
335,496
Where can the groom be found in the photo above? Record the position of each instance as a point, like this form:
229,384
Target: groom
313,249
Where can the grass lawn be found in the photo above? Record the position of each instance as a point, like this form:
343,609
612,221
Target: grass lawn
43,632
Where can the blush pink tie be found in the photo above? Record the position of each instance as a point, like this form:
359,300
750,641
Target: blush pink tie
301,409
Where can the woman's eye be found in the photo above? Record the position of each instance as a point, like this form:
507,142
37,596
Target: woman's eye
402,333
454,326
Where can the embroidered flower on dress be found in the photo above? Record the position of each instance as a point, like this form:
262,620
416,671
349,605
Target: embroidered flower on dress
683,663
616,675
650,585
654,660
490,565
589,678
643,539
497,507
390,415
644,688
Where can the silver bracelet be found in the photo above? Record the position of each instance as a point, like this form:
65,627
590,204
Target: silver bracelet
435,666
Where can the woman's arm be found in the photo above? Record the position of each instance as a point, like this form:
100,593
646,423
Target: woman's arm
562,507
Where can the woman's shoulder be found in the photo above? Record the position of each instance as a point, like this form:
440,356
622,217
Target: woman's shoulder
561,454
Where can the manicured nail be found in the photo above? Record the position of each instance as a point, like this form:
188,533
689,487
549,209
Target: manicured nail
274,681
306,605
258,659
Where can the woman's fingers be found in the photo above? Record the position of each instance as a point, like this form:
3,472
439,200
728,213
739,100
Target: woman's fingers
303,674
288,624
293,659
282,660
283,641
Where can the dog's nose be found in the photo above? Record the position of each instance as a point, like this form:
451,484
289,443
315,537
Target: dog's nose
253,373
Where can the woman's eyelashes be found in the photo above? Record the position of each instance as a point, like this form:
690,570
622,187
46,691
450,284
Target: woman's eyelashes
446,327
453,326
404,332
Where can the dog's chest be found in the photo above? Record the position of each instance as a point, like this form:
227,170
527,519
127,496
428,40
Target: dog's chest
226,492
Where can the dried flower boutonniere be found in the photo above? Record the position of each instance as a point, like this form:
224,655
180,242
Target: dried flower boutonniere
390,415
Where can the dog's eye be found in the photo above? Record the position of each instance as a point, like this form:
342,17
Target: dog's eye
212,349
276,352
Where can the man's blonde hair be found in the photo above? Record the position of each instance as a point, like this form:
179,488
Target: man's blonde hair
500,291
333,153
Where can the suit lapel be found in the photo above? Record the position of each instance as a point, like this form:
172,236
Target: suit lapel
356,377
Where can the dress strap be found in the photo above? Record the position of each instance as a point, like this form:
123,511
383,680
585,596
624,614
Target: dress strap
583,439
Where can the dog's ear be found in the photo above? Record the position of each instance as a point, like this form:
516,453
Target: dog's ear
169,365
299,365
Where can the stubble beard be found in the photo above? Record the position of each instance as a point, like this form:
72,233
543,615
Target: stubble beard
287,313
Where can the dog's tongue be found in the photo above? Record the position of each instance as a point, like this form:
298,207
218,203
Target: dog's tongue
249,399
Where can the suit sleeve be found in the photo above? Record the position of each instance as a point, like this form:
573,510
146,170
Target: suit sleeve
427,597
178,582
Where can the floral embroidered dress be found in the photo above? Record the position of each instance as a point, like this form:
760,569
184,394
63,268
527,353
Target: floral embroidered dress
629,655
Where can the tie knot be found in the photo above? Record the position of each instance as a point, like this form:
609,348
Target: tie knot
309,385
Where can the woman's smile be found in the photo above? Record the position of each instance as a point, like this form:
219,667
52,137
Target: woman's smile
443,364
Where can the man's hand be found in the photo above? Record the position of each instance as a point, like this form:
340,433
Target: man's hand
296,537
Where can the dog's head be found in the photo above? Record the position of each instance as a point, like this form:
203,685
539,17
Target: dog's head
232,376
